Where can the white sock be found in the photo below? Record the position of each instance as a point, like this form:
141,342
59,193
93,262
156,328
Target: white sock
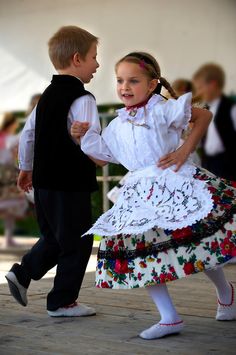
169,315
223,288
164,304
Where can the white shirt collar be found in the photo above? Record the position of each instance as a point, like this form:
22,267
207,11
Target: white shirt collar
213,106
79,80
214,103
124,114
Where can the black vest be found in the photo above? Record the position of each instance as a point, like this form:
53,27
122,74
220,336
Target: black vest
224,126
60,164
227,133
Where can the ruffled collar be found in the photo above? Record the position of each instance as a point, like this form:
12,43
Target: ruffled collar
139,113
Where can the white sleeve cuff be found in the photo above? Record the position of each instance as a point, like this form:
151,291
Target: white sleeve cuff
26,166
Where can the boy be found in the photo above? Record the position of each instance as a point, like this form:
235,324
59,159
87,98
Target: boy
219,143
63,177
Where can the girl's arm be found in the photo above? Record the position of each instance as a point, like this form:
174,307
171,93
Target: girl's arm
89,137
201,119
78,130
100,163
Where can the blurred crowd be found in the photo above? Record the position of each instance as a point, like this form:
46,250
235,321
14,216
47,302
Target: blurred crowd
13,202
215,153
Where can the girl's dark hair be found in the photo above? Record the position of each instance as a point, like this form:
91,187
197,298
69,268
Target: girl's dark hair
148,63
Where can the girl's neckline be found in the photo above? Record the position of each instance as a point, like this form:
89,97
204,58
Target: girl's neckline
138,113
141,104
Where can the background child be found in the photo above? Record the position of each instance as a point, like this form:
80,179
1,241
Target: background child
170,220
219,142
63,176
13,203
33,102
181,86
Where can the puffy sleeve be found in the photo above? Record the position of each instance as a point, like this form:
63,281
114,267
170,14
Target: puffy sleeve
94,145
178,112
84,109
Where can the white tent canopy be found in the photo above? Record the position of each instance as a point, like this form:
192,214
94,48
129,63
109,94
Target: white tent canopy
182,34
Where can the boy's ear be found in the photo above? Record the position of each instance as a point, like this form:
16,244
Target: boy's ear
76,59
153,84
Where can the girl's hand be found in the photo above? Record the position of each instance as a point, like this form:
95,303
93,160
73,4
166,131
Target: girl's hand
200,119
177,158
78,129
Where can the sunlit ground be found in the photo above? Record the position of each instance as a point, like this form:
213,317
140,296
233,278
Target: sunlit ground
10,256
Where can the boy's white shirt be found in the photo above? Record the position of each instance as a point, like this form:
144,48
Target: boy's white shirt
213,143
83,109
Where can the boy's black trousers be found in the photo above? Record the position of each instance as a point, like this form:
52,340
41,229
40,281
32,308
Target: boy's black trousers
62,217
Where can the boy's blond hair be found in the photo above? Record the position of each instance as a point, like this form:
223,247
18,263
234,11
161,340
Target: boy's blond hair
209,72
67,41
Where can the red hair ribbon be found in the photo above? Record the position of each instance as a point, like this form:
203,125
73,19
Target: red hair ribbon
142,64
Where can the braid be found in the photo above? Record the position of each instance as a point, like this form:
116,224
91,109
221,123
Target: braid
168,87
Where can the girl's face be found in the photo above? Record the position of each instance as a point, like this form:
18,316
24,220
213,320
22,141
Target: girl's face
133,84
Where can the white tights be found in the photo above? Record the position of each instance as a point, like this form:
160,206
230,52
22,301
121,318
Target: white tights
164,304
161,298
223,288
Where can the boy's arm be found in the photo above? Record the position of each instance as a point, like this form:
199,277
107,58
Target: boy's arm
26,153
84,110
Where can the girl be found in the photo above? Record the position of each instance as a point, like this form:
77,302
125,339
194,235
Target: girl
172,219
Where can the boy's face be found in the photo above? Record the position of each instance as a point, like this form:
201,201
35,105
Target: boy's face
89,65
207,90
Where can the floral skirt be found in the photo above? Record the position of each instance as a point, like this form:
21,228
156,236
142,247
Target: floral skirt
158,255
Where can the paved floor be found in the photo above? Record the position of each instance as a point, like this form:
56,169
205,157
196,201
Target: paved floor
121,315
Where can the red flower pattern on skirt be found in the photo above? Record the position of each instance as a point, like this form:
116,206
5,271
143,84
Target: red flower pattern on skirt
228,248
182,233
121,266
189,268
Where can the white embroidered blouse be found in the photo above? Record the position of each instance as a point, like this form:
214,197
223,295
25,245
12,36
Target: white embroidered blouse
151,197
136,147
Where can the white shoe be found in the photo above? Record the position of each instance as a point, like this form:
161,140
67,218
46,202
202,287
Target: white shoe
74,310
18,291
160,330
227,311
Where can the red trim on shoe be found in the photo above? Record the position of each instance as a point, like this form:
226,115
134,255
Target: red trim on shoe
72,305
232,300
171,324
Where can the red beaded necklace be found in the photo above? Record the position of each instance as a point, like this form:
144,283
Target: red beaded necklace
141,104
132,113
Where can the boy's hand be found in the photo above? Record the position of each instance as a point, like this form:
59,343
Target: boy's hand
24,181
78,129
177,158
